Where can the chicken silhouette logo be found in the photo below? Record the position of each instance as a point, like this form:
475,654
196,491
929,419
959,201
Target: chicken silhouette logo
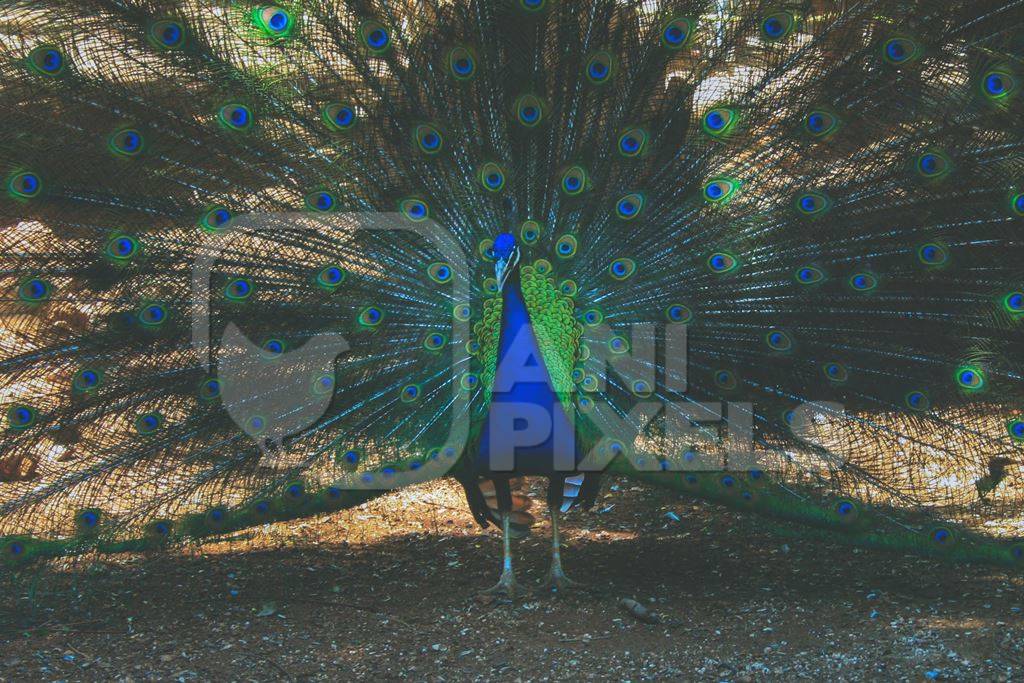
281,388
272,392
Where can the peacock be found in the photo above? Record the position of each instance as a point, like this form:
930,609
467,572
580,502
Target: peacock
266,261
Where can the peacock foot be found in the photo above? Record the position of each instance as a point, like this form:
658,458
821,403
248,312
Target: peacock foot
557,582
506,586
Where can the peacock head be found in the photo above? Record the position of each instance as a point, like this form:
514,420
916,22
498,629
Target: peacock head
506,257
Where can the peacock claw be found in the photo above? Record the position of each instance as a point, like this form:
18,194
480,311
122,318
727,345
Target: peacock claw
557,582
506,586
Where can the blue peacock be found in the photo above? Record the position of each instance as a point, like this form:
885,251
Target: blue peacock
826,198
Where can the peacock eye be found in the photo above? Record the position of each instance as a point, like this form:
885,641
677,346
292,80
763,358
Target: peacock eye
86,379
273,21
568,288
863,282
1017,203
235,117
1015,428
492,177
439,272
820,123
592,317
917,400
122,248
167,34
999,84
462,63
152,315
126,142
1014,303
330,277
574,180
566,247
428,138
630,206
24,185
209,389
722,262
720,121
676,33
238,289
529,110
338,116
970,378
215,219
835,372
414,209
273,348
34,290
410,393
725,379
371,316
532,5
469,381
148,423
322,385
375,36
530,231
599,68
678,313
720,190
21,417
812,203
321,201
622,268
47,60
618,344
777,25
932,254
462,312
900,50
434,341
808,275
933,165
632,142
778,340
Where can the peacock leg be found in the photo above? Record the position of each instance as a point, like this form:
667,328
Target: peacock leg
556,579
507,583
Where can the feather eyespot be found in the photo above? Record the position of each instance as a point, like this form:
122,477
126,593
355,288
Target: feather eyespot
126,142
121,248
529,110
599,68
574,181
47,60
722,262
566,246
462,63
339,117
273,21
375,36
630,206
24,185
428,138
237,117
676,33
777,25
632,142
492,177
20,417
917,400
321,201
167,34
678,313
34,290
970,378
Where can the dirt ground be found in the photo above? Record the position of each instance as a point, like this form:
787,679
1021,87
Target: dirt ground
389,591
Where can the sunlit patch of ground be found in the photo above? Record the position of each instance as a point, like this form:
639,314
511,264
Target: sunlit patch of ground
388,591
